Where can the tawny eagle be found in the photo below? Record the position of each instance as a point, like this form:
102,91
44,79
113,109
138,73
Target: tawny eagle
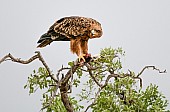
77,30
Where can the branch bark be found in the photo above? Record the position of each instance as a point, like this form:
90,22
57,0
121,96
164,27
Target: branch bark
153,67
37,56
64,87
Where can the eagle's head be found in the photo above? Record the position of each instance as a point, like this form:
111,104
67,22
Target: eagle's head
96,33
95,30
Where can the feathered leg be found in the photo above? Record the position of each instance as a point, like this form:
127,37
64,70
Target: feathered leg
83,46
76,47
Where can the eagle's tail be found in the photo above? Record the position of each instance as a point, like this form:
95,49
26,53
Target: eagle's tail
44,40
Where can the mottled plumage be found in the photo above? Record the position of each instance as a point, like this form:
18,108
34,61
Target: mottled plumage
75,29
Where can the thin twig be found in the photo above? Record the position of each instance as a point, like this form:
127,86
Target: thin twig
91,74
46,66
153,67
61,69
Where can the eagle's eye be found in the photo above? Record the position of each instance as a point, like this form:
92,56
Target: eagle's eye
93,32
96,33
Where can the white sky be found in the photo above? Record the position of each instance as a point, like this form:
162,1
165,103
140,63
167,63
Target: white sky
141,28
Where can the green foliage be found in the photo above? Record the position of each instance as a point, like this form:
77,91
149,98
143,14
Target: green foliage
152,99
39,79
113,99
110,59
51,103
55,105
122,94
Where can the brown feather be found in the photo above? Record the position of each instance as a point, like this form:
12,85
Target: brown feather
79,45
74,46
84,46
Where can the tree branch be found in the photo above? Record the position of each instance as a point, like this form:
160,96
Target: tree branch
37,56
153,67
112,74
64,87
18,60
90,72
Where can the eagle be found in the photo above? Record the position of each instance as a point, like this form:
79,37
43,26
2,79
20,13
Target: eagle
77,30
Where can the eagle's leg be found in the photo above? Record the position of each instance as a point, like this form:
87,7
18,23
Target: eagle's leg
79,47
83,49
81,57
81,54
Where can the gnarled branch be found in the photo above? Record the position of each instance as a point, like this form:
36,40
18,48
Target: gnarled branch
37,56
153,67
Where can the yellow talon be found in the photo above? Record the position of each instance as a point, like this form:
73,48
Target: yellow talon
82,57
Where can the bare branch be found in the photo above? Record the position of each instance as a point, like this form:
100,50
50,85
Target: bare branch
37,56
153,67
18,60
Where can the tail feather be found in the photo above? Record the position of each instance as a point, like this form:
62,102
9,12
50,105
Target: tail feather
44,43
44,40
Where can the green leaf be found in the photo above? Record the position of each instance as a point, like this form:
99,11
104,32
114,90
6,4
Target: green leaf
71,63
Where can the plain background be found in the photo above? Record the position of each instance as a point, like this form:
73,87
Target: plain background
141,28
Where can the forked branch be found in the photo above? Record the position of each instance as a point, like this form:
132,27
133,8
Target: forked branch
36,56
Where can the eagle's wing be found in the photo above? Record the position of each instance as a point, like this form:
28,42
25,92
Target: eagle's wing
71,27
